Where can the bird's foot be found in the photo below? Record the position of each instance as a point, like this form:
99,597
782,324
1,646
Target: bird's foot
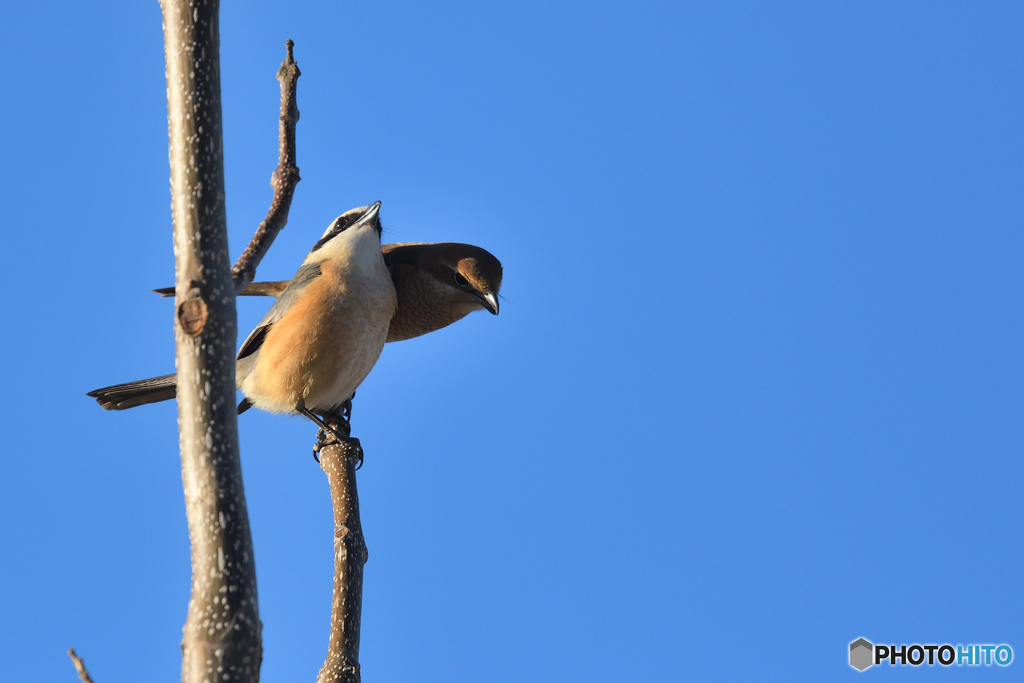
331,436
334,429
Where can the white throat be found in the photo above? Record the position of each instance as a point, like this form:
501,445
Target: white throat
358,248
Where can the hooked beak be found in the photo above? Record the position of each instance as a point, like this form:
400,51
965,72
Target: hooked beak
490,302
372,216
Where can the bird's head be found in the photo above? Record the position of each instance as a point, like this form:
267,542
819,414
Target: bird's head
359,217
466,276
472,271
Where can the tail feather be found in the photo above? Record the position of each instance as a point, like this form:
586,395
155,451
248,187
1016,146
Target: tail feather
131,394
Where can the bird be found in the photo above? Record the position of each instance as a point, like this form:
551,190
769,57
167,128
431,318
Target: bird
326,330
437,284
318,341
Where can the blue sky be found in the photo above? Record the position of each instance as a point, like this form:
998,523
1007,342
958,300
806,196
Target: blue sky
756,389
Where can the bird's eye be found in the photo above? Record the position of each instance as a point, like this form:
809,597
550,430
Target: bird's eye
459,280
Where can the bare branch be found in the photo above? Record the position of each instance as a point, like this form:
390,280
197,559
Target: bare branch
283,180
222,634
79,666
339,458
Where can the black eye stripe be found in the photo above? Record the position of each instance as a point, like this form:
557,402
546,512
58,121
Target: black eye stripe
460,280
341,224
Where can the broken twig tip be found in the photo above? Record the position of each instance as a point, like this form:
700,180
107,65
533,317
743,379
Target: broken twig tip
79,666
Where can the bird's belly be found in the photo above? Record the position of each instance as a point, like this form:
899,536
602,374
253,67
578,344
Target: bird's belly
317,360
334,377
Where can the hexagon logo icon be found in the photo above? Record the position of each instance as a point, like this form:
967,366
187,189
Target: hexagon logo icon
861,654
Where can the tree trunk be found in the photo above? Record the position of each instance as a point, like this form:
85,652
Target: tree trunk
222,632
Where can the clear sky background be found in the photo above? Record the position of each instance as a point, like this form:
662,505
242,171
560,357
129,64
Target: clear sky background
756,389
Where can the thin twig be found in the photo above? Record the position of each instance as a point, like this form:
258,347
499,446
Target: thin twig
79,666
339,459
283,180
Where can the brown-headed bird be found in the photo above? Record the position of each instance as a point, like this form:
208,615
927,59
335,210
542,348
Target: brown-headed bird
324,333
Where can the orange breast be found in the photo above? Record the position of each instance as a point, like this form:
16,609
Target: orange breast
297,341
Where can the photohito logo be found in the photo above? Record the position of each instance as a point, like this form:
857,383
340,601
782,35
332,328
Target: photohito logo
863,654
